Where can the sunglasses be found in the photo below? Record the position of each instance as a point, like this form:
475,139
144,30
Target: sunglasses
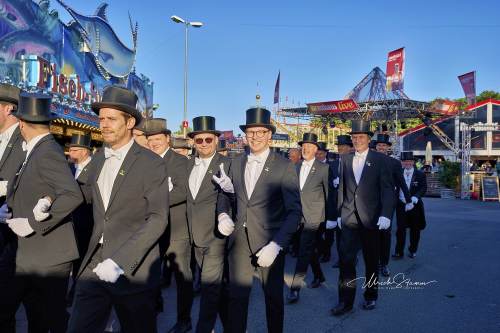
199,141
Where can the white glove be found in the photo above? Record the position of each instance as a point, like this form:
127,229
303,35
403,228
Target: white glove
266,255
414,200
226,224
224,181
108,271
331,224
4,213
3,188
41,210
336,182
170,185
409,207
383,223
20,226
339,222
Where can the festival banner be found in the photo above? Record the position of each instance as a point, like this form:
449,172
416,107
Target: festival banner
277,89
322,108
468,82
444,107
227,135
395,70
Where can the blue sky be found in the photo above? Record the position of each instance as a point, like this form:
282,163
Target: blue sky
323,49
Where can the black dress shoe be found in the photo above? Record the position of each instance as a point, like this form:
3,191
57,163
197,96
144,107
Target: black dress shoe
384,270
369,305
412,255
317,282
181,327
293,297
397,256
341,309
336,264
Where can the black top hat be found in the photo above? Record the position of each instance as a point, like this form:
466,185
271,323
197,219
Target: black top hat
258,117
203,124
322,146
406,156
309,138
80,140
384,138
9,93
179,143
34,108
119,98
360,126
156,126
141,125
372,144
221,145
344,140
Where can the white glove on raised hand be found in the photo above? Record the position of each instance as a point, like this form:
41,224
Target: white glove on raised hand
41,210
409,207
224,181
226,224
339,222
331,224
20,226
108,271
170,185
336,182
414,200
267,255
3,188
4,213
383,223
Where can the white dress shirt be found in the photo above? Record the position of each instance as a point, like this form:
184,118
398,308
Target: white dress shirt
5,138
164,153
408,174
81,166
305,168
253,169
109,171
198,173
358,163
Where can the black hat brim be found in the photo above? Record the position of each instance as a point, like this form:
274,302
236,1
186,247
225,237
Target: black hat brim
35,119
96,107
164,131
366,132
387,143
78,146
192,134
314,143
268,126
10,100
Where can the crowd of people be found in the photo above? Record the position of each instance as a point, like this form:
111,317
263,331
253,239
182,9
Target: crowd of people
103,232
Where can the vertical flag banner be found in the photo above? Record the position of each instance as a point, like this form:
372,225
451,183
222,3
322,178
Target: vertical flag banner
468,82
277,89
395,70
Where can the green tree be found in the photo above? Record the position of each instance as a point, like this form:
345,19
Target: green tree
180,131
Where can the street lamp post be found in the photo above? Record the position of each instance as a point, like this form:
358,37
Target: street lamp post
187,24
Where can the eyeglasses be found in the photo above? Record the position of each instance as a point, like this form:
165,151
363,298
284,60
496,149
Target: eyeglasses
256,134
199,141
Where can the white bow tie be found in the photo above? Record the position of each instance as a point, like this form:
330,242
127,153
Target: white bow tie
198,161
254,159
108,152
356,154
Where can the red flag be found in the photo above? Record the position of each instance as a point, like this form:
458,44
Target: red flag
468,82
395,70
277,89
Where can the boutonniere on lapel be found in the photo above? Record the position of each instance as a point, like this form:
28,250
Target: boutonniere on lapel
415,183
368,163
9,145
266,169
313,169
210,171
122,172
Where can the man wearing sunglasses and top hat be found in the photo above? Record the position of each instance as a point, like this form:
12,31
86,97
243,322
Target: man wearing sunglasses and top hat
344,146
365,205
268,211
410,215
80,155
175,244
129,187
206,182
315,185
139,132
40,200
383,145
11,157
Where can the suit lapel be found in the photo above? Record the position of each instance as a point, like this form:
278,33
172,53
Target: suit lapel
99,163
366,167
264,175
207,178
311,174
243,166
14,139
124,170
190,169
28,158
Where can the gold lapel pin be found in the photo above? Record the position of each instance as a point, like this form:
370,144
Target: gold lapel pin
210,171
266,169
122,172
368,163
